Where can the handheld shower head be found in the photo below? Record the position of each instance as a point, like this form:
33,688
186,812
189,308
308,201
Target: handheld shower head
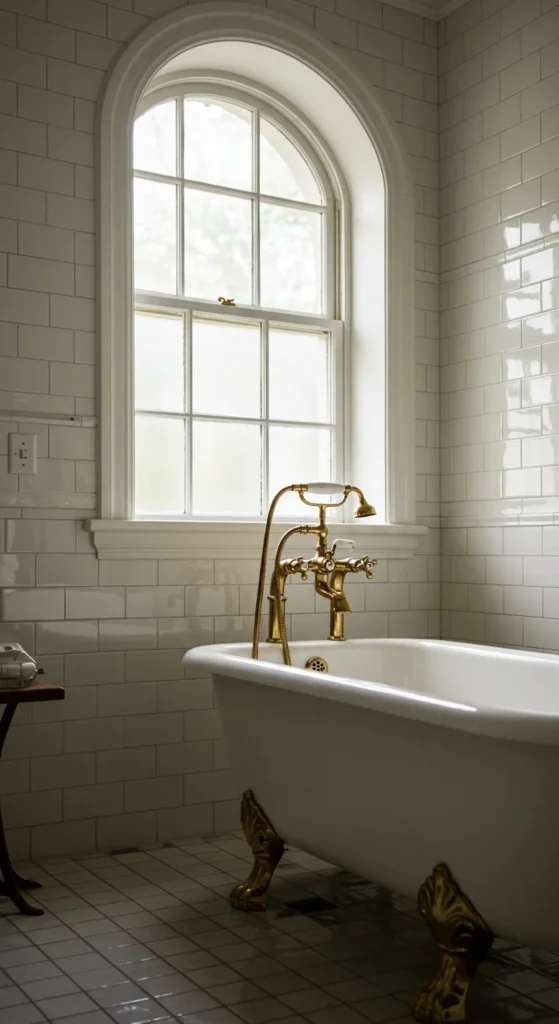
361,512
363,509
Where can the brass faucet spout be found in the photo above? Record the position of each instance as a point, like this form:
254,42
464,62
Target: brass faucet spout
337,582
337,598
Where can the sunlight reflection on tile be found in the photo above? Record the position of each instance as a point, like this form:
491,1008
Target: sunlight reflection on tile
550,356
539,223
522,363
550,294
540,390
541,451
543,327
522,422
550,419
523,302
540,266
522,482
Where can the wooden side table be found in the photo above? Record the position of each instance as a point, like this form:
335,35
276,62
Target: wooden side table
13,884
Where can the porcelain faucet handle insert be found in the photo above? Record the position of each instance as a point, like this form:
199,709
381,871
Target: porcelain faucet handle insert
343,544
325,488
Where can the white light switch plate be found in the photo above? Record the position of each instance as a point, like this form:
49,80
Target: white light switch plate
22,453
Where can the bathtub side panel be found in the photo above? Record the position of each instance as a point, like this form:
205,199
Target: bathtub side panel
389,798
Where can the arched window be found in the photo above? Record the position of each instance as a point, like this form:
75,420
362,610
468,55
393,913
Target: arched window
237,337
290,193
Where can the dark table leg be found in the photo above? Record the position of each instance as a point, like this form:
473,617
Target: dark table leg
13,884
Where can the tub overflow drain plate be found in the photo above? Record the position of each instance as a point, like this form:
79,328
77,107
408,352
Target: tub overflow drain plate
317,664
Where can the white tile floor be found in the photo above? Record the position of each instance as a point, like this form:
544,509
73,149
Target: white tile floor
149,936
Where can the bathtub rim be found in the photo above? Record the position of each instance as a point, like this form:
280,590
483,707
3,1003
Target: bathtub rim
520,725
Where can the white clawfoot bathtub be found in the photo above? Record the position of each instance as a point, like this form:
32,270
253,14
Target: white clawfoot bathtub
408,753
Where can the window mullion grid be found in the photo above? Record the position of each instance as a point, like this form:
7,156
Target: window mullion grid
334,281
265,411
181,287
227,190
337,405
326,291
256,208
209,417
187,316
189,451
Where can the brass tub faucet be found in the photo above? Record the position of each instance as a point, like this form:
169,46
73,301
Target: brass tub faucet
337,582
329,570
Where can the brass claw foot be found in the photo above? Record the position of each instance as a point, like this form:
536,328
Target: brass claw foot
267,848
464,940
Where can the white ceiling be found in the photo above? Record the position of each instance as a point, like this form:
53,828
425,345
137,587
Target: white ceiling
428,8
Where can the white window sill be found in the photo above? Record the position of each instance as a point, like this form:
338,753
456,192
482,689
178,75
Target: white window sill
125,538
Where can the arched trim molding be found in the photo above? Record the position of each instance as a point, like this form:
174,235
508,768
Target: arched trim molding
378,290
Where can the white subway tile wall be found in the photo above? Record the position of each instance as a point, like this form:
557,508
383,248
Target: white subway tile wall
135,752
499,234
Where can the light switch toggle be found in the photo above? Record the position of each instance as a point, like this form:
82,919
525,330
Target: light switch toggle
22,457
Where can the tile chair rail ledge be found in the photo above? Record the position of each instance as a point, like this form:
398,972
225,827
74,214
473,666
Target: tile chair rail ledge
137,538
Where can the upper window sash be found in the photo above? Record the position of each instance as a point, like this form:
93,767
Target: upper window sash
330,235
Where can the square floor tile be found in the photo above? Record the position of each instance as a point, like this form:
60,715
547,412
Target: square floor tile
115,995
261,1011
65,1006
140,1012
210,976
308,1000
525,1010
18,957
281,984
383,1009
111,938
167,984
336,1015
101,976
26,1013
146,968
549,998
528,982
10,995
48,988
353,991
172,946
221,1016
185,1003
34,972
84,962
152,932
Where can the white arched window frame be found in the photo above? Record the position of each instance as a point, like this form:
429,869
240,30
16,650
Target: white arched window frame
258,104
377,229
